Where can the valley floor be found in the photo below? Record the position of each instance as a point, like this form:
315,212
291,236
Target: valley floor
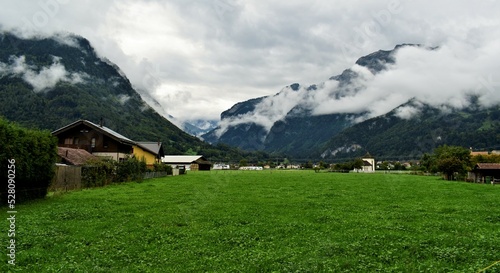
263,221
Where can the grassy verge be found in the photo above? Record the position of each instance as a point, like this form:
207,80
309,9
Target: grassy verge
286,221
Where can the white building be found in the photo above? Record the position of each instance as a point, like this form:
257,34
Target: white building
251,168
368,164
220,166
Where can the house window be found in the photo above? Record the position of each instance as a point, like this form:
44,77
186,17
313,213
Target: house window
68,141
92,142
105,142
76,141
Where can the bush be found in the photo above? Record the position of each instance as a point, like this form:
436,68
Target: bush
98,173
35,155
159,167
130,169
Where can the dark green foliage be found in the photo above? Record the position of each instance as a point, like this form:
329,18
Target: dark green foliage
98,173
492,158
449,160
35,155
130,169
243,163
308,165
349,166
389,137
159,167
102,172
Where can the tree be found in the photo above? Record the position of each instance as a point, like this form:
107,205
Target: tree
243,163
308,165
428,163
450,160
358,163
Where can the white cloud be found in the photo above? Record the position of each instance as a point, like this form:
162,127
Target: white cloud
123,99
41,79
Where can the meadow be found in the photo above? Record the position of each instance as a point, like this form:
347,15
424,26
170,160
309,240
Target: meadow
263,221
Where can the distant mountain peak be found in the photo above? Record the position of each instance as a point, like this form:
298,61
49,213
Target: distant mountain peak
338,117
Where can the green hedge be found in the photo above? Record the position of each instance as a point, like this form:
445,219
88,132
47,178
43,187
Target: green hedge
130,169
102,172
35,155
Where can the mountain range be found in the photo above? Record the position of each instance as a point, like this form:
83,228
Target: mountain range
49,82
335,120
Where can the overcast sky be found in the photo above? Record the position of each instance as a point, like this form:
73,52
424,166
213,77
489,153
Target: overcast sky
199,57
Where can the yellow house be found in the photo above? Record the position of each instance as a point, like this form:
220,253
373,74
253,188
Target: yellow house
152,152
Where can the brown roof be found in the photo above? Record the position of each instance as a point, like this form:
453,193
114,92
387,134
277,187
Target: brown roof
366,163
74,156
118,137
488,166
479,153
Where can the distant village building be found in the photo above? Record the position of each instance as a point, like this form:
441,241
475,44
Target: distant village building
220,166
251,168
483,153
368,163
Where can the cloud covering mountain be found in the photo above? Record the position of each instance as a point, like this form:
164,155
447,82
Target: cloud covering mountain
451,76
40,78
216,53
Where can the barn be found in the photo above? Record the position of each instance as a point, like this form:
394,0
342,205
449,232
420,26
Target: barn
188,162
486,172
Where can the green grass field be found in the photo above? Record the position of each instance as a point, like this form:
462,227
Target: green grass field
280,221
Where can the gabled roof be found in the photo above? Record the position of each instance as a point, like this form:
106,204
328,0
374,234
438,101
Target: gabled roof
103,129
487,166
153,147
366,163
74,156
184,159
368,155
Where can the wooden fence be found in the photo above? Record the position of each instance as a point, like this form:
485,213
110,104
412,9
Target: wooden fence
148,175
68,178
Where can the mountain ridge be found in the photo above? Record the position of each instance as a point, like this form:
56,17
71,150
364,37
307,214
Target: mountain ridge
49,82
311,131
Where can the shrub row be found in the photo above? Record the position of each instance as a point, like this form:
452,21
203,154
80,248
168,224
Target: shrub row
101,172
29,157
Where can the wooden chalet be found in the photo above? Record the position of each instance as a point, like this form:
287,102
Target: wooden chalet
101,141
